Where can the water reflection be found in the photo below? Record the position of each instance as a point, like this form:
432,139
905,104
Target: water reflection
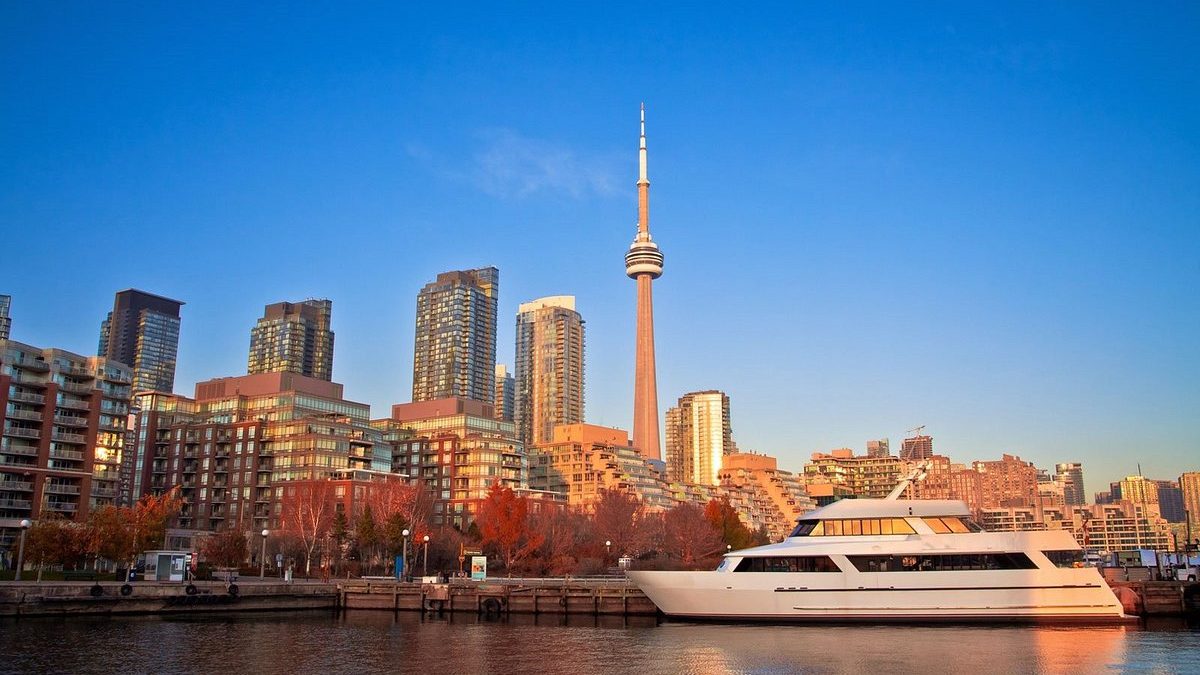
371,641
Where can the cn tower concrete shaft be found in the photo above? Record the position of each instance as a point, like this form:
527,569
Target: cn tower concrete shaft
644,264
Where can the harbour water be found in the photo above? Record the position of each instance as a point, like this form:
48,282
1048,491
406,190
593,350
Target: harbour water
368,641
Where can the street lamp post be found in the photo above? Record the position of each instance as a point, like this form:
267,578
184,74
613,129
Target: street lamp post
425,561
21,549
262,562
607,550
404,555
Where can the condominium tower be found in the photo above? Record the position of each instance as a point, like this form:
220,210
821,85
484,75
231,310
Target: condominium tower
5,319
1070,476
506,393
917,447
644,264
142,332
454,353
293,337
549,374
698,437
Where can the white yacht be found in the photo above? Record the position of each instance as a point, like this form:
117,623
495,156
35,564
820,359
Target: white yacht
894,560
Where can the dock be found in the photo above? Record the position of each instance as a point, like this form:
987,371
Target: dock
501,597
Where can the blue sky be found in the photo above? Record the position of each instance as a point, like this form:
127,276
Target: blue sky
981,219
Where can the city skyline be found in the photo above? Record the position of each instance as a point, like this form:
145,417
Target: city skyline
998,257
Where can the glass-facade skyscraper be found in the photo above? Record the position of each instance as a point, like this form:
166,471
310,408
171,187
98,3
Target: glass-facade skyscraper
142,332
293,337
549,372
699,435
454,352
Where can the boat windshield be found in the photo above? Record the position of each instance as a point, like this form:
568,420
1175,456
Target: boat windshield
852,527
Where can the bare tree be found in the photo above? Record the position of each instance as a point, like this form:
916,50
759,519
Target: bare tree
308,515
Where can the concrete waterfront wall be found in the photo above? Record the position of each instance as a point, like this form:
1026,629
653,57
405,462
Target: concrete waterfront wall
58,598
1157,598
546,597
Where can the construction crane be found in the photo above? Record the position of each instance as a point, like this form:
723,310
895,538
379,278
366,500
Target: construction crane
916,432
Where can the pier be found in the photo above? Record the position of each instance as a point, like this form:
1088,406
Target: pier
501,597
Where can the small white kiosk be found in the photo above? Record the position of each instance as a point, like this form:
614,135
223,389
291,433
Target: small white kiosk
166,565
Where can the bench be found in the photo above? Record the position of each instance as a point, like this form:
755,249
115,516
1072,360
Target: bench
79,575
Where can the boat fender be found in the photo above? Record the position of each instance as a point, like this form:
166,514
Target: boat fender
191,589
491,606
126,590
233,590
1130,601
96,591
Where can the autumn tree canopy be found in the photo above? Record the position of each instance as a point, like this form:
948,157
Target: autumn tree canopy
505,526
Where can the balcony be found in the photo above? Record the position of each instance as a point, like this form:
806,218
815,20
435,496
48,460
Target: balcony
72,455
104,493
61,489
118,377
74,404
71,420
64,507
63,437
15,504
26,397
16,486
31,364
23,415
22,432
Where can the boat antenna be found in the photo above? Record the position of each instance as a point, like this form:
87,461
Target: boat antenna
918,473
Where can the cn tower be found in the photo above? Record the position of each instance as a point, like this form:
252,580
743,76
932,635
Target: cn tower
644,264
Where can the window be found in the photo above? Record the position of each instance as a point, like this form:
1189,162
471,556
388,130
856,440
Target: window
1065,558
815,563
851,527
941,563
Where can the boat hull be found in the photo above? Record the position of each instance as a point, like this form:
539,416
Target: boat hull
1070,596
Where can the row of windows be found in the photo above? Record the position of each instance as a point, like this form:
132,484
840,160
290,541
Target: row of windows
1065,558
813,563
942,563
852,527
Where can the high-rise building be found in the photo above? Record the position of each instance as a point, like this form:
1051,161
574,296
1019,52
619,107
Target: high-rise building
1189,485
1070,476
917,447
5,319
454,354
1170,501
293,337
699,436
644,264
879,448
142,331
1137,489
456,448
1009,481
63,436
506,393
549,378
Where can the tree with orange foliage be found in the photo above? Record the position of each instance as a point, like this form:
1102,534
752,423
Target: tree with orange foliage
225,548
308,515
504,524
690,537
620,518
721,514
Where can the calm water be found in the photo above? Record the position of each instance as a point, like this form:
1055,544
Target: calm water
364,641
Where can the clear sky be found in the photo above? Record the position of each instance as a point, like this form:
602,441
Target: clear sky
983,219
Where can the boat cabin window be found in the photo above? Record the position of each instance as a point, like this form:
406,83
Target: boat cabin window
942,562
952,525
851,527
1065,558
807,563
